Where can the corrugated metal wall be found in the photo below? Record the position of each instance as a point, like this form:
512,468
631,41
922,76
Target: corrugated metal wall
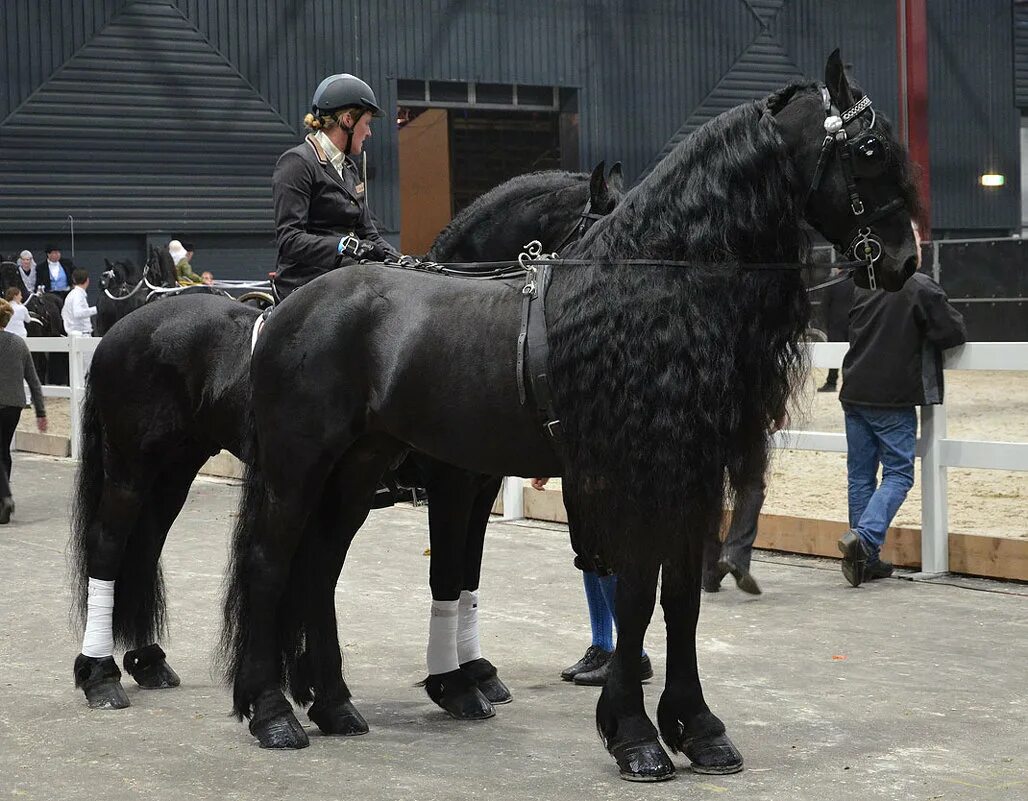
974,125
1021,53
152,116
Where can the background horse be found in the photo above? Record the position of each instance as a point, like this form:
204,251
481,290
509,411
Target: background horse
169,387
665,378
44,321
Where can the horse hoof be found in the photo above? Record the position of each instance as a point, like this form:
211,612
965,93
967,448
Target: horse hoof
483,673
341,719
643,761
715,754
100,680
281,731
459,696
150,669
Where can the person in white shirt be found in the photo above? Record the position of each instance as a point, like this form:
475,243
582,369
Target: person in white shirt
77,313
19,316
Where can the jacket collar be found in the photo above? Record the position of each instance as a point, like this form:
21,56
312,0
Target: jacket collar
326,163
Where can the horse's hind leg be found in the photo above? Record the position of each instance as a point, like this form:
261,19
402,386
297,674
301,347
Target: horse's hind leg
318,672
621,718
469,650
142,622
96,672
451,494
686,723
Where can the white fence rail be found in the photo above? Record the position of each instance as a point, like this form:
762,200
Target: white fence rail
936,450
80,354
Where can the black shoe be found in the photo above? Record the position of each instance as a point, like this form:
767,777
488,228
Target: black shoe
743,580
877,569
595,657
826,387
6,509
598,677
854,557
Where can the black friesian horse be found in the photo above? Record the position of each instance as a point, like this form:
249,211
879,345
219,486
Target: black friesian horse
169,387
664,379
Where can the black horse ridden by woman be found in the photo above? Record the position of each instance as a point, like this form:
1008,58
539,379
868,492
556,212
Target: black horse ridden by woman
169,387
663,379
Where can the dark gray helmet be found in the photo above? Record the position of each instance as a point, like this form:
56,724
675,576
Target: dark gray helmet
343,91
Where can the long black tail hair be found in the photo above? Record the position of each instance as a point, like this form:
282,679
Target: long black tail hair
667,379
140,610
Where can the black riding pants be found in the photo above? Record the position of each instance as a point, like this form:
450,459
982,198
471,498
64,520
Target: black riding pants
9,416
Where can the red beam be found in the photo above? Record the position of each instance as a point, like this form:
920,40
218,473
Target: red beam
912,43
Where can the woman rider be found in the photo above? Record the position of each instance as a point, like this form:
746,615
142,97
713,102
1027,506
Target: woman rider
321,212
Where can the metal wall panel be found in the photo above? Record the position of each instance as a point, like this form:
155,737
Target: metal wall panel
171,113
974,125
1021,53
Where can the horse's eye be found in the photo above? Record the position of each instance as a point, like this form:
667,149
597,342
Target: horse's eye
870,155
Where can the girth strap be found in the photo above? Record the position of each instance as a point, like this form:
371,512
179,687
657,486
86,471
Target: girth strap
534,352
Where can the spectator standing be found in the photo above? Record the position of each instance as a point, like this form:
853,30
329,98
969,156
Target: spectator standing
15,368
20,314
28,272
836,303
77,313
894,364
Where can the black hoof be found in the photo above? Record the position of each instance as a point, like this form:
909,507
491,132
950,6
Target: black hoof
150,669
459,696
340,719
281,731
274,724
642,761
483,673
715,754
100,679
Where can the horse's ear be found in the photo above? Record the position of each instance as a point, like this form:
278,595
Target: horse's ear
107,263
615,178
597,183
837,83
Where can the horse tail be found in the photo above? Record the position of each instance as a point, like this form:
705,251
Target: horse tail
89,484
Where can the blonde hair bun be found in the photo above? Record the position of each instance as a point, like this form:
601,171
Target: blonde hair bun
312,122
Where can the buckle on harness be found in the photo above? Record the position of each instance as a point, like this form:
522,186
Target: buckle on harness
553,429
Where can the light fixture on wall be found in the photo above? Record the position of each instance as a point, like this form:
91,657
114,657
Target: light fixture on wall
992,180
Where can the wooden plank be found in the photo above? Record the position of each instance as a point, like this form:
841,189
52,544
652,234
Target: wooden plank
970,554
46,444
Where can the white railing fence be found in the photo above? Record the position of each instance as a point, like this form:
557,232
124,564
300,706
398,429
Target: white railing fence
80,354
936,450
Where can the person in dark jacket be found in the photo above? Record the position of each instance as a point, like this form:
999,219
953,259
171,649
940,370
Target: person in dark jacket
321,212
835,310
894,364
54,275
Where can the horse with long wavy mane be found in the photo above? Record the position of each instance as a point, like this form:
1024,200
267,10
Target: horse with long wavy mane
665,377
169,387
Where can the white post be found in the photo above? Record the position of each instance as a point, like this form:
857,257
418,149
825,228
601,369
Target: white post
77,385
934,516
513,498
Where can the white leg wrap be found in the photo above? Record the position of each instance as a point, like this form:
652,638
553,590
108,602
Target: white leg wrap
468,646
442,638
98,640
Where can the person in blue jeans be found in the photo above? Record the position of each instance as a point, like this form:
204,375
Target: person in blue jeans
894,364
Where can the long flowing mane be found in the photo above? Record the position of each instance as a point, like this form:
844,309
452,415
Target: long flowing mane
490,211
709,353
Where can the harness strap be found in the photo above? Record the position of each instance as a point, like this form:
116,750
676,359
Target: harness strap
534,351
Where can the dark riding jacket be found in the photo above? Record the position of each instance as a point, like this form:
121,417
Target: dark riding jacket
314,209
896,344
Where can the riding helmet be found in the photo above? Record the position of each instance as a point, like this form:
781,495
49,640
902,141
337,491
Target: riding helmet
343,91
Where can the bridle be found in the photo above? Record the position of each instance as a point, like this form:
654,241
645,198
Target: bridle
580,226
866,154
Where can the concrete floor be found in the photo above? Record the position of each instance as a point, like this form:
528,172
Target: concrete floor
898,690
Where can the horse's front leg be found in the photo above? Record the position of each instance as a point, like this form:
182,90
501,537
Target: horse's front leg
621,719
451,493
686,723
469,649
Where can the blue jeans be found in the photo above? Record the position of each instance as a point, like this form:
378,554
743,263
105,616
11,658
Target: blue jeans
878,435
